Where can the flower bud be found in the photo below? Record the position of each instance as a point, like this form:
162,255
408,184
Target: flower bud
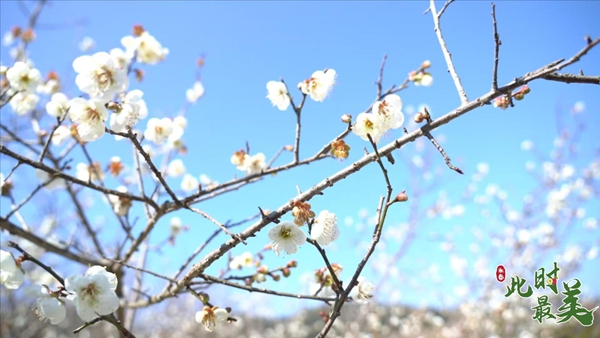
138,30
346,118
419,117
519,96
204,297
6,187
139,75
114,106
16,31
402,197
28,35
289,147
286,272
292,264
276,277
525,89
426,64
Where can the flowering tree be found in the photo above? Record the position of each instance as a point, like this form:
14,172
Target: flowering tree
108,109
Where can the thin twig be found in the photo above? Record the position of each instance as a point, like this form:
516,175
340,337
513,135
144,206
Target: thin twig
36,261
210,218
267,291
447,56
572,78
379,81
497,43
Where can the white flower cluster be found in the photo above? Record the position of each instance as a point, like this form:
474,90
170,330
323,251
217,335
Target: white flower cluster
288,236
318,86
385,115
92,293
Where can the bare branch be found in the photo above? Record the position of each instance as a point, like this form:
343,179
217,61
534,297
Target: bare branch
572,78
436,21
379,81
497,44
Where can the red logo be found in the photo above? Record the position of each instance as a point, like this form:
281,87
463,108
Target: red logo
500,273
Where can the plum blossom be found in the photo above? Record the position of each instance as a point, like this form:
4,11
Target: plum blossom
58,105
244,260
22,76
390,110
87,173
86,44
278,94
195,93
24,102
147,49
158,130
121,205
362,292
132,111
372,124
61,134
319,84
325,229
89,115
46,177
121,57
93,293
100,76
286,236
189,183
176,168
254,164
48,305
209,316
11,274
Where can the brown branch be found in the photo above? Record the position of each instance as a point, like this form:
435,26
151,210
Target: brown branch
339,287
159,176
572,78
447,56
379,82
37,262
444,8
210,218
59,174
497,44
437,145
42,243
267,291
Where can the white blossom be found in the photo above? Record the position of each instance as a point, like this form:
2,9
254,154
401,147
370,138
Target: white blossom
278,94
254,164
189,183
23,77
121,205
61,134
89,115
132,111
158,130
176,168
100,76
362,292
11,275
24,102
390,110
58,105
195,93
244,260
286,236
94,293
175,226
210,316
367,123
319,84
121,57
325,229
207,181
47,306
87,173
86,44
147,49
45,177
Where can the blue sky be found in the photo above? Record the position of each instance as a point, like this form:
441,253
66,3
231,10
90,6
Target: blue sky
247,44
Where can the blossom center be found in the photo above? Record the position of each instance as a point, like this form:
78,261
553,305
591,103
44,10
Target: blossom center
285,232
104,79
90,293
